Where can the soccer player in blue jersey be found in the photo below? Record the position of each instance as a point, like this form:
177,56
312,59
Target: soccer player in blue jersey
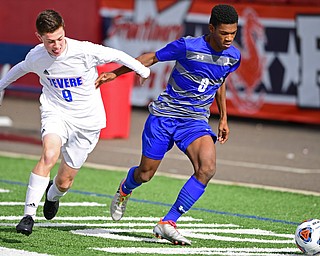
180,115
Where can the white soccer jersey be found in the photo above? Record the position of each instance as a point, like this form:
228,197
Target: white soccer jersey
69,80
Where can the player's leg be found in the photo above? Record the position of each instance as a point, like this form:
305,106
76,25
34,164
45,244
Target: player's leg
156,141
58,188
202,154
38,181
196,139
146,169
74,153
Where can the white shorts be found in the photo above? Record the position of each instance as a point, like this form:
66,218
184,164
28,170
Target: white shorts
76,143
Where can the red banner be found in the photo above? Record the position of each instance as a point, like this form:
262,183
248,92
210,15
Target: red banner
279,77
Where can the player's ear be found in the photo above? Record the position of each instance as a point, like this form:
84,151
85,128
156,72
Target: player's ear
211,28
39,37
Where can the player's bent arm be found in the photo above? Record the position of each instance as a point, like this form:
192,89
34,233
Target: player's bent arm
133,64
221,101
13,74
147,59
223,128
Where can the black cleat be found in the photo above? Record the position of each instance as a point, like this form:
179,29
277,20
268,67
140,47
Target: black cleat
50,208
25,225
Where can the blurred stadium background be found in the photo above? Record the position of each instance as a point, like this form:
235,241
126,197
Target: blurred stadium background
279,75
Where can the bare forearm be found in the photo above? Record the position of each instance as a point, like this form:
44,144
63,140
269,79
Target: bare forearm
223,129
221,101
147,59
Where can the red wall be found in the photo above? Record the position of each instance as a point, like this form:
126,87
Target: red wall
17,19
17,32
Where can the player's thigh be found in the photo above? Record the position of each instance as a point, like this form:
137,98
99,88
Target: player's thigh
80,143
202,152
157,137
190,130
202,155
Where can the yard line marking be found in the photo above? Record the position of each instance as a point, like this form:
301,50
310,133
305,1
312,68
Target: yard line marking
4,190
71,204
115,225
15,252
203,251
96,218
121,234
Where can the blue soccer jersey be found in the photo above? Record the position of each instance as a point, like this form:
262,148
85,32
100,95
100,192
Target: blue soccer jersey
198,73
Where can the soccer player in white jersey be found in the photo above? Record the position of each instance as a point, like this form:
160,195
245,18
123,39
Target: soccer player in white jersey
180,115
72,111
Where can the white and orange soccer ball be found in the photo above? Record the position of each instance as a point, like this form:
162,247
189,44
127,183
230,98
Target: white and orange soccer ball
307,237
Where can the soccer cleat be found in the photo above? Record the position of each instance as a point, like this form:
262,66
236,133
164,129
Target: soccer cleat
168,230
119,203
25,225
50,208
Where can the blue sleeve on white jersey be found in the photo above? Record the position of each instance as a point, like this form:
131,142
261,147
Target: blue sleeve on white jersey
172,51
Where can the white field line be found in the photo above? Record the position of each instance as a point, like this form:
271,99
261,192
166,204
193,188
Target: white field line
191,231
98,218
14,252
202,251
115,233
74,204
211,231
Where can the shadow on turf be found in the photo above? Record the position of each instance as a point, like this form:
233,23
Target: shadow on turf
8,240
134,235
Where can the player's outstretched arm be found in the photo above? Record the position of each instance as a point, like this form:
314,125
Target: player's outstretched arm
104,77
223,128
147,59
12,75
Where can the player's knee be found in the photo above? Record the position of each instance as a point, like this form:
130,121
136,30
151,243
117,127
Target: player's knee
63,185
50,157
206,172
145,175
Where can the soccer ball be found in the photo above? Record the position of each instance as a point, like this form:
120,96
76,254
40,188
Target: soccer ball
307,237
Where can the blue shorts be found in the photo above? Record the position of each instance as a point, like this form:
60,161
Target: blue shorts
160,133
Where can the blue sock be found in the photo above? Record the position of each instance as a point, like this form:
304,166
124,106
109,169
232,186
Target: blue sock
189,194
130,184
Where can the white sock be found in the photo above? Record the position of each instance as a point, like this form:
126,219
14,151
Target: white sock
54,194
36,188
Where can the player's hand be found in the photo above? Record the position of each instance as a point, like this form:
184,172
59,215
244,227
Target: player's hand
142,80
223,131
104,78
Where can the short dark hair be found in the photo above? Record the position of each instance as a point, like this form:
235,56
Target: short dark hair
49,21
223,14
